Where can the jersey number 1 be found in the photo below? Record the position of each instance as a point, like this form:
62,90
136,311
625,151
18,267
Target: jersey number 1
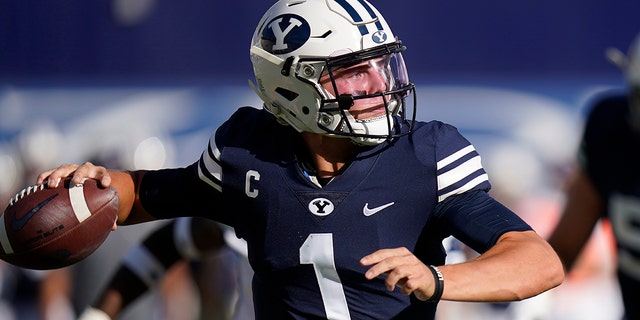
317,250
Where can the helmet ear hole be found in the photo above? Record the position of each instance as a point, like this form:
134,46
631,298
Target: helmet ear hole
306,110
287,94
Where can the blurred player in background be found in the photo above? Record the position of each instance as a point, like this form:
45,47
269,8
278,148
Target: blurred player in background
606,182
220,274
343,198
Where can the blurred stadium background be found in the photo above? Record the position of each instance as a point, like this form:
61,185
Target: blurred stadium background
143,84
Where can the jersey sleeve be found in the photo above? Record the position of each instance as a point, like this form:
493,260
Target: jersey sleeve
477,219
178,192
210,166
192,191
465,209
195,190
238,130
458,164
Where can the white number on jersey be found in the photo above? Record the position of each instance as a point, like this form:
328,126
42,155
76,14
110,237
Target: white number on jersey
625,216
317,250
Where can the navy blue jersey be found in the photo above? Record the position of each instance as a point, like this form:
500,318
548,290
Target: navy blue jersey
610,155
305,240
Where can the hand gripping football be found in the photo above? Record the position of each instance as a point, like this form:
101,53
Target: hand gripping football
49,228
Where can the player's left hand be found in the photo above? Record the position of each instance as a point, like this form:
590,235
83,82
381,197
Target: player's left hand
403,269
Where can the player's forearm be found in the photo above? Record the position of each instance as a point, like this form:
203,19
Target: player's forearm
571,234
54,295
110,303
124,288
126,184
581,213
519,266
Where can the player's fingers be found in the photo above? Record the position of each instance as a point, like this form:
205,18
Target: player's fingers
414,280
104,177
405,275
382,254
408,287
90,171
384,261
42,177
54,176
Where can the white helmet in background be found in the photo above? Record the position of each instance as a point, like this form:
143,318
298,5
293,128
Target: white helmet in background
299,41
633,63
630,66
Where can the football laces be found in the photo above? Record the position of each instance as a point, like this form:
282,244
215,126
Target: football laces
24,192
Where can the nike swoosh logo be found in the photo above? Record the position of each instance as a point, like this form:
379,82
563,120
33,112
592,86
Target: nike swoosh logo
369,212
18,224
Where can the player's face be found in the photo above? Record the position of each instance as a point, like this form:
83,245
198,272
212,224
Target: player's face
360,79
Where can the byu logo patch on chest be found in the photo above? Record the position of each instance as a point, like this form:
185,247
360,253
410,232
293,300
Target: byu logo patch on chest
321,207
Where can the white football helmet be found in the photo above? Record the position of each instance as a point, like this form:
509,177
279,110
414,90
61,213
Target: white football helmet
298,42
630,66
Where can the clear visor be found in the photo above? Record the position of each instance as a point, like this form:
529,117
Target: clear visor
368,84
376,75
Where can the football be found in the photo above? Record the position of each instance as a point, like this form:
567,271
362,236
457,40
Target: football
49,228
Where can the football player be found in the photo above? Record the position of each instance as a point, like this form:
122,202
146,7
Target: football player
342,196
197,240
606,182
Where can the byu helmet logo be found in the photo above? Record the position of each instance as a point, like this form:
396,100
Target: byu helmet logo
280,34
285,33
379,36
